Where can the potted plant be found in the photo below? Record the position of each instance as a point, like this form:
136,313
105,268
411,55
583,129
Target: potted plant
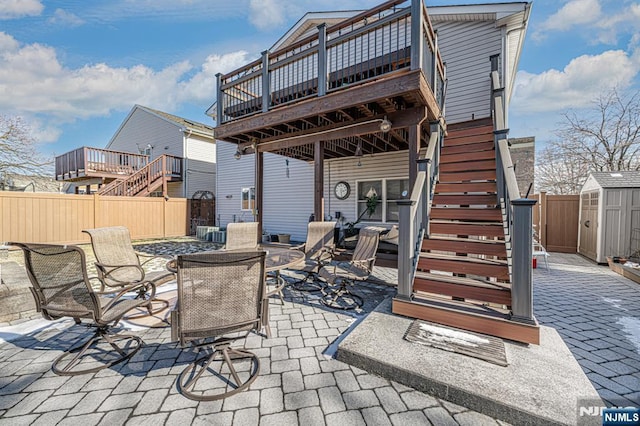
372,199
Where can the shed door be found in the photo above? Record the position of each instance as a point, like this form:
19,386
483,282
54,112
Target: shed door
589,224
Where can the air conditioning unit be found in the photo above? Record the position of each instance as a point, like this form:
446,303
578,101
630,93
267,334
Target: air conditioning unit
218,237
204,233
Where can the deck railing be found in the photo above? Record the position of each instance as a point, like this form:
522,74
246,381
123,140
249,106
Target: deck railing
517,212
414,214
85,160
395,35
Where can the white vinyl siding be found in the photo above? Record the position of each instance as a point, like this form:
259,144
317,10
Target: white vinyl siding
287,201
466,48
200,166
142,128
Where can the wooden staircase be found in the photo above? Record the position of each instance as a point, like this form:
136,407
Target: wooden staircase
463,275
148,179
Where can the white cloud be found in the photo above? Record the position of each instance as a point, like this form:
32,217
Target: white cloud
575,12
581,81
34,83
265,14
11,9
63,17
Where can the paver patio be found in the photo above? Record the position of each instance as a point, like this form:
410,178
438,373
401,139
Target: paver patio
595,311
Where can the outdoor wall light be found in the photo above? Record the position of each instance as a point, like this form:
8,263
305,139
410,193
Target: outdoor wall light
385,125
238,153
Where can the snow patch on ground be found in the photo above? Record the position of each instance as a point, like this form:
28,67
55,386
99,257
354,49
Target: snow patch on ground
445,335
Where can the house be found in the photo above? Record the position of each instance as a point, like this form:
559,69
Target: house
151,153
29,183
405,109
609,222
468,36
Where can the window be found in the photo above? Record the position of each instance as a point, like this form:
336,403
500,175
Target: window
383,193
248,199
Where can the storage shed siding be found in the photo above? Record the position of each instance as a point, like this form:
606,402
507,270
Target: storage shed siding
466,47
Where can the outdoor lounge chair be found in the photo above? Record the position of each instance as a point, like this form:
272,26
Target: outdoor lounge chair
61,288
242,236
341,275
317,249
118,264
218,293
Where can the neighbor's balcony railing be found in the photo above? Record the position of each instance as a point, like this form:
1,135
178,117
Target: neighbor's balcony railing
395,35
87,162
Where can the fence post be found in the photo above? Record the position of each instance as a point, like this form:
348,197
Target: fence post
416,35
322,59
521,253
164,175
405,247
266,95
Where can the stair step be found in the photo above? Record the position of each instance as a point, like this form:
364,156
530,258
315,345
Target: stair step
465,199
468,166
495,248
476,147
467,316
467,156
447,227
470,131
463,287
465,213
464,265
462,187
450,177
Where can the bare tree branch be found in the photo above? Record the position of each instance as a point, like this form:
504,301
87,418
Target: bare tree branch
19,150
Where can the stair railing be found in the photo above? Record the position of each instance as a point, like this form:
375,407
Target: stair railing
517,213
144,179
414,214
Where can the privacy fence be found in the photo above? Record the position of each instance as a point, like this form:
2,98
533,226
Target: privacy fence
60,218
556,220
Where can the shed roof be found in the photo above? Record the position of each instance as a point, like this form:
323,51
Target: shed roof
621,179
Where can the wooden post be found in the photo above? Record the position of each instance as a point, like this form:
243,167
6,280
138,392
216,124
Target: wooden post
434,65
414,151
405,245
522,251
164,175
259,177
322,59
266,89
219,119
318,170
417,40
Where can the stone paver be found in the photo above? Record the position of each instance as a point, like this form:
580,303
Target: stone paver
596,312
300,383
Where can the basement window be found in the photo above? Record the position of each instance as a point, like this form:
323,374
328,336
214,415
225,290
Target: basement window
248,198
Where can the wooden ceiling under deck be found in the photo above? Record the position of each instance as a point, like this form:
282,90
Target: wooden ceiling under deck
342,120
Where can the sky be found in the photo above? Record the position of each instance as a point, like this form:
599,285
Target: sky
73,69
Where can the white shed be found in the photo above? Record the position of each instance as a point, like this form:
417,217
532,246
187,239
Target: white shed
609,215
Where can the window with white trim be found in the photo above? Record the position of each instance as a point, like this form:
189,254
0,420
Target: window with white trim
248,199
383,193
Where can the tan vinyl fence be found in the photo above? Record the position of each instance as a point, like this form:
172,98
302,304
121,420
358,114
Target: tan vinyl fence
60,218
556,218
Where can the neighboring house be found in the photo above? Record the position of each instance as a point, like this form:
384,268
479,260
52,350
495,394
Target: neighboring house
468,36
29,183
132,162
152,132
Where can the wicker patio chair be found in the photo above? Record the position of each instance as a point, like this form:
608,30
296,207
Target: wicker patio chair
61,288
219,293
242,236
318,249
118,265
341,275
